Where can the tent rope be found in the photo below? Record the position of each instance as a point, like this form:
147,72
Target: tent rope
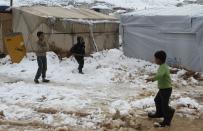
92,35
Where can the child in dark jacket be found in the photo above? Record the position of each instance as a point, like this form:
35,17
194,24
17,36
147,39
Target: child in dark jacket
78,50
164,93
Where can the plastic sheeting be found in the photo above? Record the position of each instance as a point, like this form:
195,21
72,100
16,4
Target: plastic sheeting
180,36
5,28
62,26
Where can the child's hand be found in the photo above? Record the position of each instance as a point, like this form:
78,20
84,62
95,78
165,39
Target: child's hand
149,80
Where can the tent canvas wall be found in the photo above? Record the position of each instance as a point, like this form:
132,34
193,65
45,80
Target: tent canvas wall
64,25
5,28
179,35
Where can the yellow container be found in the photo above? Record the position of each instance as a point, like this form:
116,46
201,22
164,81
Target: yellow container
15,46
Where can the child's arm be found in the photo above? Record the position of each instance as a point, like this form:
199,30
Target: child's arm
159,75
150,80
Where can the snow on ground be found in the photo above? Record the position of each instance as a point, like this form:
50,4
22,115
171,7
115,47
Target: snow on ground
142,4
104,67
112,82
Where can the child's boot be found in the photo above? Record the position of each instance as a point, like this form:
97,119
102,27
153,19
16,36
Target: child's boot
154,115
167,121
161,124
80,71
172,112
36,81
45,80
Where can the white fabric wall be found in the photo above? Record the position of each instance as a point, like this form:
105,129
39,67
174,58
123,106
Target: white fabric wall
180,36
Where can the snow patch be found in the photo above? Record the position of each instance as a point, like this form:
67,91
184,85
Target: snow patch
187,102
143,103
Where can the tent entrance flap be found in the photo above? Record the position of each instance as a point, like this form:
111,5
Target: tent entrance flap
15,47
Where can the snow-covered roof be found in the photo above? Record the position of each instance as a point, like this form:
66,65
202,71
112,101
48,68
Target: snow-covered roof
71,13
103,7
135,4
187,10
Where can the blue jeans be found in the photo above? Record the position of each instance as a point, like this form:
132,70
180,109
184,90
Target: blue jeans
42,67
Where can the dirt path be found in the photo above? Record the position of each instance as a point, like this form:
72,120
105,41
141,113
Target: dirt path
101,97
179,124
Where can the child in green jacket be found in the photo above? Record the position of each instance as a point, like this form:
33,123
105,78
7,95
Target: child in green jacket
164,93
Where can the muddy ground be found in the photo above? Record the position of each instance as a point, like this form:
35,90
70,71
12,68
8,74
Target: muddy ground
144,124
136,120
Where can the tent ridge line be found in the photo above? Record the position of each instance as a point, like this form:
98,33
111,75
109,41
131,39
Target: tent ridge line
84,33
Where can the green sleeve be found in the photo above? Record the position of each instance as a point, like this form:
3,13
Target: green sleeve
160,74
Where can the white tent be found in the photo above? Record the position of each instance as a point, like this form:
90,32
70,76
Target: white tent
62,26
178,31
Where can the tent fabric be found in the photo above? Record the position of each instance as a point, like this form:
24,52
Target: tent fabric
5,28
72,13
180,36
62,26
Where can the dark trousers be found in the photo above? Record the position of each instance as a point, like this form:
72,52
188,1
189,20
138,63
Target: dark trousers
42,67
80,60
162,104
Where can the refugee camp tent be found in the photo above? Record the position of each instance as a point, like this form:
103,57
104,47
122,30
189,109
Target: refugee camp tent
5,28
178,31
62,26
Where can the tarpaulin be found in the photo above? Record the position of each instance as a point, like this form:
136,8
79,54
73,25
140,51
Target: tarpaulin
180,36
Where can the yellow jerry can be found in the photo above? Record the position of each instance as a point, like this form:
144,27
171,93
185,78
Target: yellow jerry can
15,46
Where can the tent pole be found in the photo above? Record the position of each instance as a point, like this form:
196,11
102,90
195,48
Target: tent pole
92,35
11,3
